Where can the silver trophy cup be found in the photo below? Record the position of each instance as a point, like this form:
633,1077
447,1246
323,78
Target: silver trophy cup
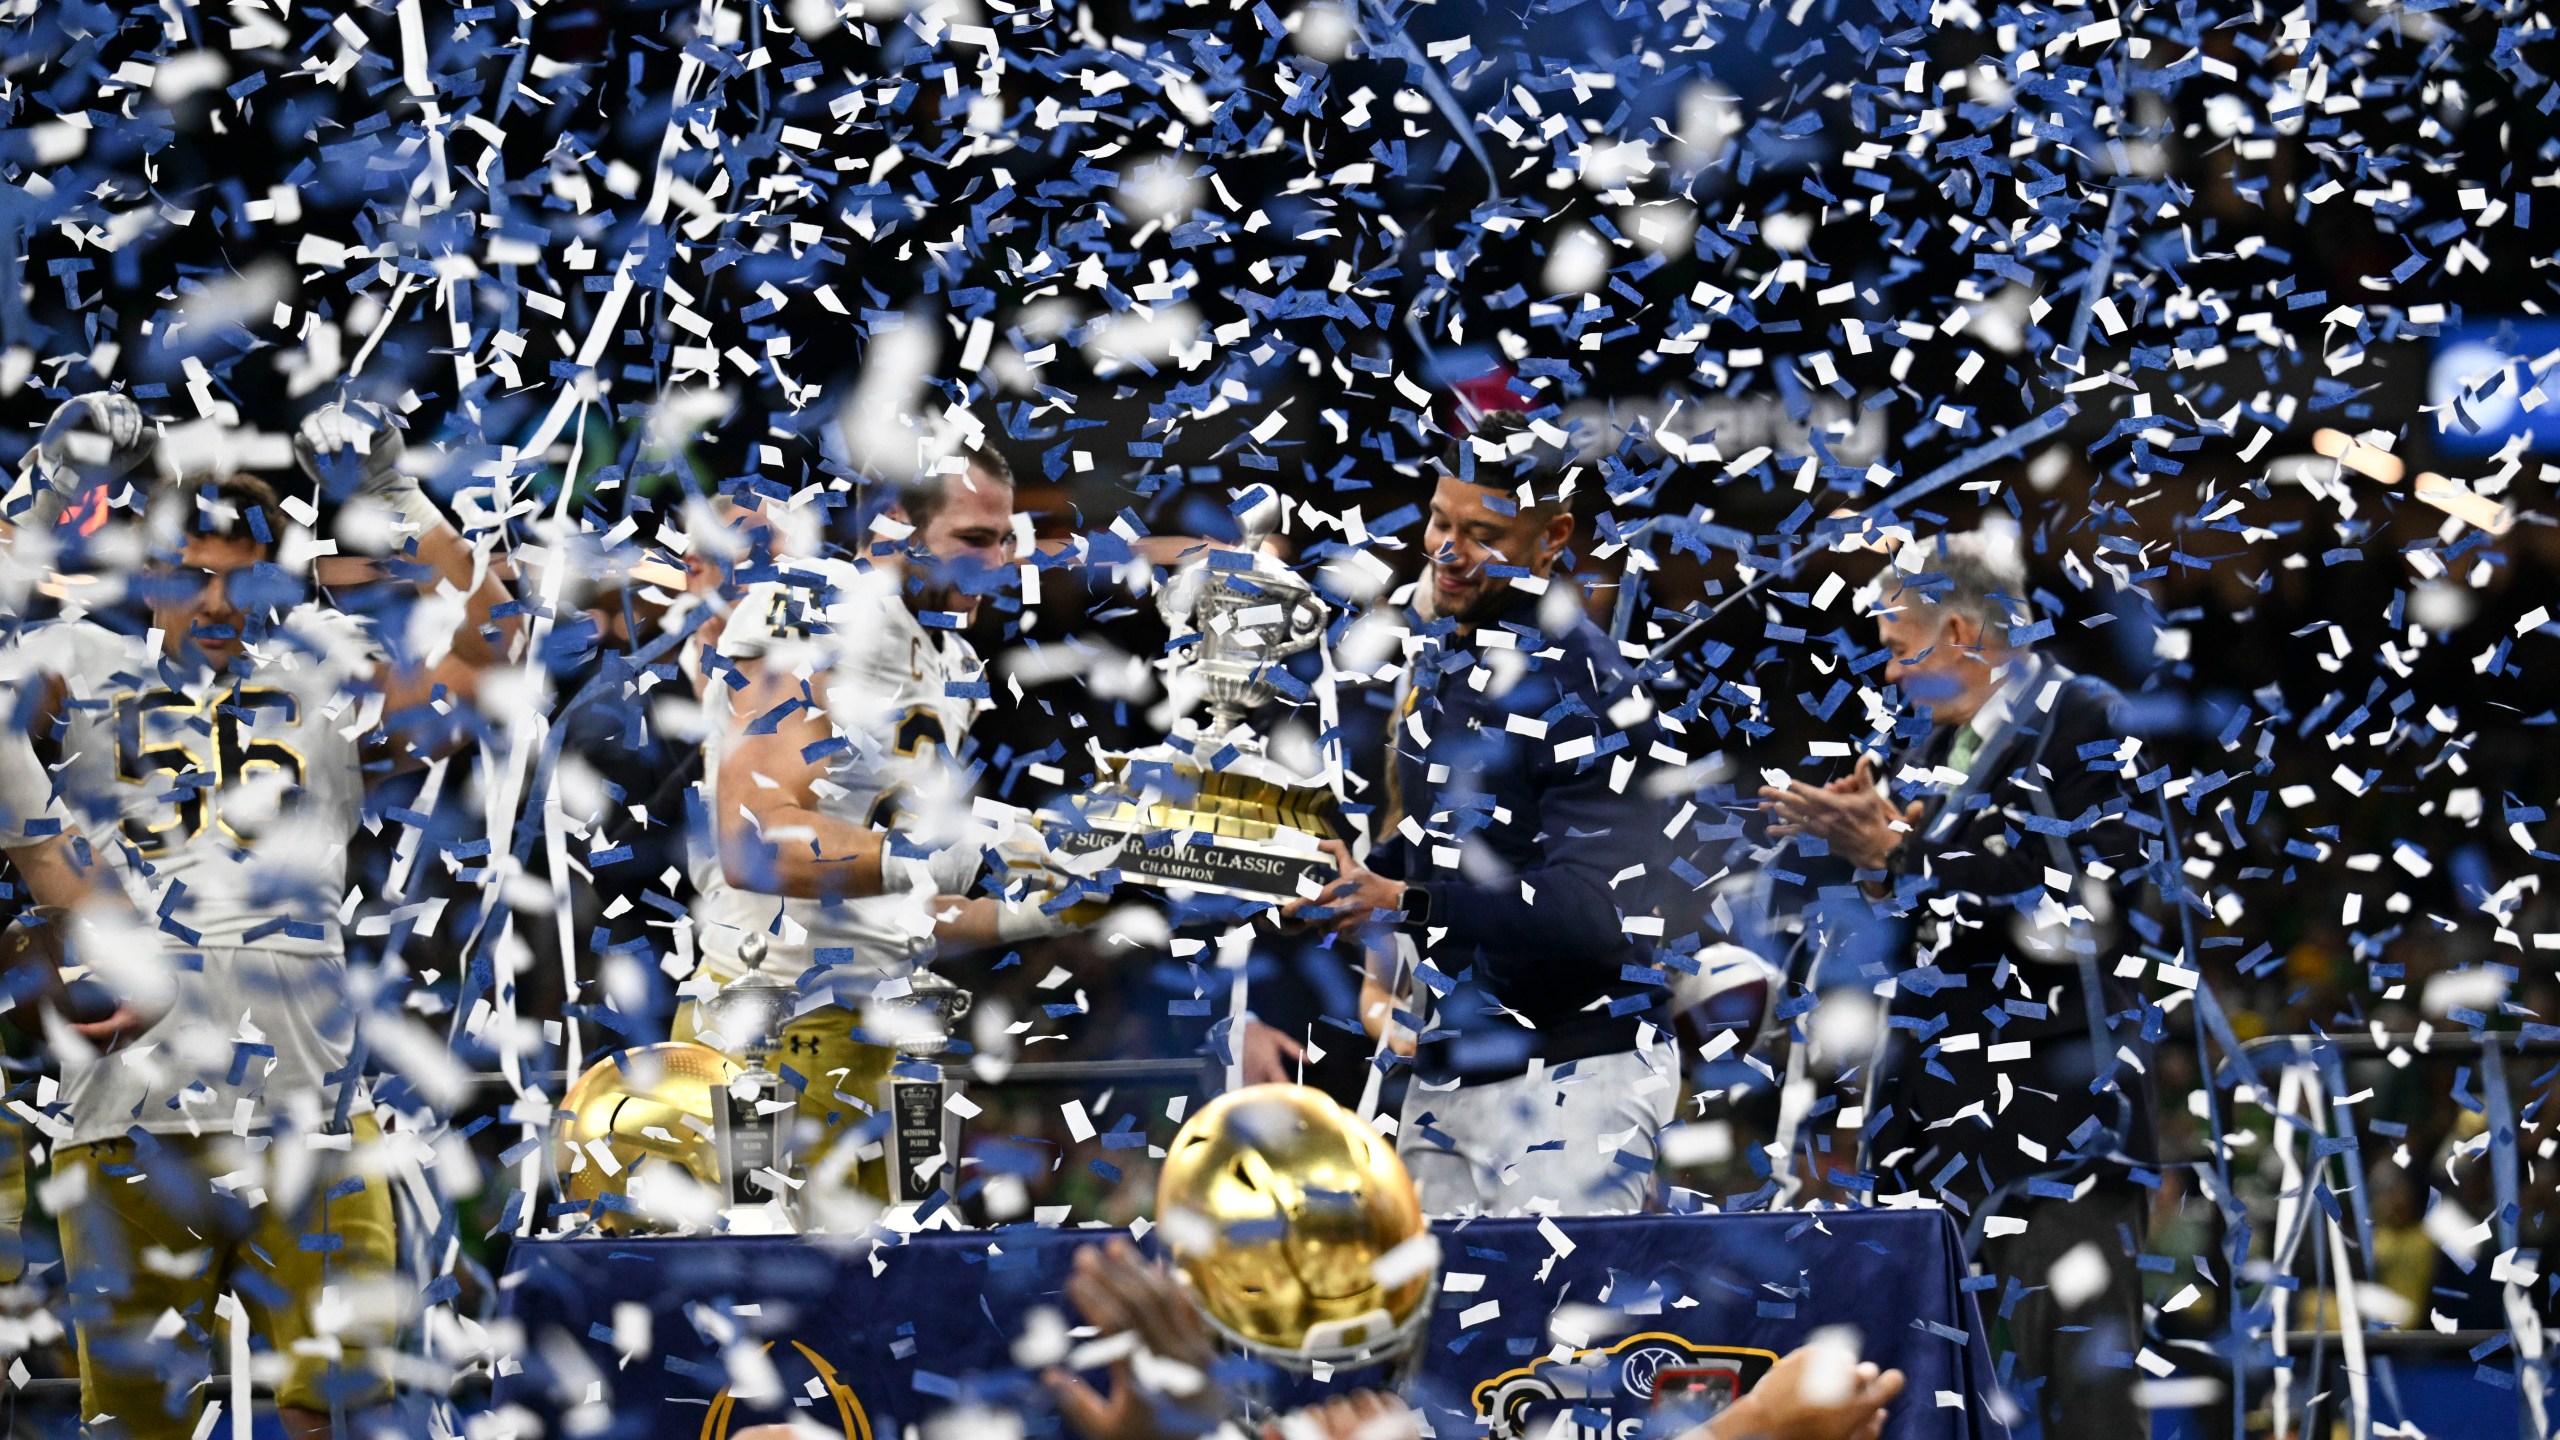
1212,809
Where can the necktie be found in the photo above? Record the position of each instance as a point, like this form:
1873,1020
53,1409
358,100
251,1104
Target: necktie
1960,757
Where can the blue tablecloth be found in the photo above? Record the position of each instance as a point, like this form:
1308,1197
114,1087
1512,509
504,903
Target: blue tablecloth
872,1337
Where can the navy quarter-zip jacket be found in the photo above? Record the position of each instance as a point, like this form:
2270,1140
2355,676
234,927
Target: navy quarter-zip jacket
1519,806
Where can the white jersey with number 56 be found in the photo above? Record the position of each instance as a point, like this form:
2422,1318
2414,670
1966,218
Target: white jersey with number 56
229,801
899,697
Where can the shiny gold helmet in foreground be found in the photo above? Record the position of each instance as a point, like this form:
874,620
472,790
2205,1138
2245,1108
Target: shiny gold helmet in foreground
651,1106
1296,1228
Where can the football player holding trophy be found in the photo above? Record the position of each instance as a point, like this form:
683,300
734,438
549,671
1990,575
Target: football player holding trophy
1212,810
848,842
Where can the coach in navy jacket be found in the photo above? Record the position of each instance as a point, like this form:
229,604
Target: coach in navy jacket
1517,840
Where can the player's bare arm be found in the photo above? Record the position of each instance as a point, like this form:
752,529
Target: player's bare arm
52,872
774,839
55,871
484,640
354,447
59,871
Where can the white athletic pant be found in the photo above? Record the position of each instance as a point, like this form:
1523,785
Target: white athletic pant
1576,1140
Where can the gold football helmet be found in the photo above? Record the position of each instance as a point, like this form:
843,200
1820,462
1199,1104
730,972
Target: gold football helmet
1296,1229
651,1109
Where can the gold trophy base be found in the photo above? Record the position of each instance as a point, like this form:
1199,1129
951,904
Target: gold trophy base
1245,829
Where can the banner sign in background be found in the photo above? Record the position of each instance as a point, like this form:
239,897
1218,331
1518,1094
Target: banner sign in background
646,1338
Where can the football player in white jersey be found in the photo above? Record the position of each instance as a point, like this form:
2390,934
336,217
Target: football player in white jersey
51,883
213,771
847,836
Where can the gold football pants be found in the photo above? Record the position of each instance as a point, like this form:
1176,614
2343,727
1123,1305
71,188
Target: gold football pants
154,1238
14,1137
840,1091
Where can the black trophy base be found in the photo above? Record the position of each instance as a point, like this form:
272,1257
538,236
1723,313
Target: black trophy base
918,1138
750,1144
1217,865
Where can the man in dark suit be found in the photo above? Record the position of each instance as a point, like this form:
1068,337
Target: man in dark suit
2012,1085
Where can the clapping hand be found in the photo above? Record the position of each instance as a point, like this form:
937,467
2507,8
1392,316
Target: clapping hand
1119,1293
1851,815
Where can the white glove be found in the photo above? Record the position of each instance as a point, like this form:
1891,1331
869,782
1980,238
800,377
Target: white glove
955,867
351,443
1027,874
1034,875
1020,920
97,436
1021,853
952,870
907,875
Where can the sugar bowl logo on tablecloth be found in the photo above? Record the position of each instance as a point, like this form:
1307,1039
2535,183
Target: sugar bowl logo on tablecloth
1624,1382
853,1422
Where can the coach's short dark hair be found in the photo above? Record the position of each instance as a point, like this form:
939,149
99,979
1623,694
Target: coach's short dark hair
1528,460
924,497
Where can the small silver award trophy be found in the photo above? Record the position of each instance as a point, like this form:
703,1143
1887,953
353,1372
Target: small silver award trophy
1211,809
924,1133
751,1117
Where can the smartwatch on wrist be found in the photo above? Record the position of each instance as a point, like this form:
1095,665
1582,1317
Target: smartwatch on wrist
1413,908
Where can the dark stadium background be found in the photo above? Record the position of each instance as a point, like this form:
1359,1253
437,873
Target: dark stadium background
2259,613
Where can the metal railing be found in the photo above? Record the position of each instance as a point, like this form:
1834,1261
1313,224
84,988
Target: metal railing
2314,1065
2434,1045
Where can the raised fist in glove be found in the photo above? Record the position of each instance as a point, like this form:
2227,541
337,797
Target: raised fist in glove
348,448
100,436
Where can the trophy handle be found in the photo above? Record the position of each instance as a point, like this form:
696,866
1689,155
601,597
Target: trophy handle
1306,621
